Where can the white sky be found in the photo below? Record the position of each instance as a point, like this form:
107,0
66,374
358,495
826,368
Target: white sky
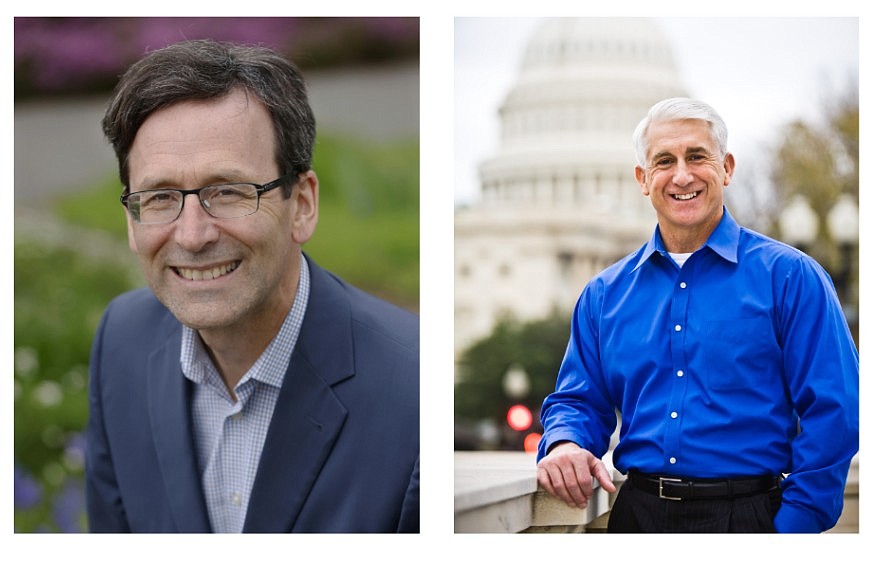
758,72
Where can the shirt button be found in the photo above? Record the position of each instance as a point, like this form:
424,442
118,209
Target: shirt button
672,460
674,415
677,328
236,499
682,285
237,416
679,373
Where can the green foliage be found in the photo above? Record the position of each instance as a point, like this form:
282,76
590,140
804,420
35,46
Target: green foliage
368,228
536,346
97,208
844,122
809,164
59,298
821,161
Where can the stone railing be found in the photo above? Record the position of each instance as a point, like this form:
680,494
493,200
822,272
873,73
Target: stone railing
498,492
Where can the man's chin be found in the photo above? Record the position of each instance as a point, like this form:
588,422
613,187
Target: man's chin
203,316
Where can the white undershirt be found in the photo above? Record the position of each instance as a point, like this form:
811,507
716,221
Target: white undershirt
681,258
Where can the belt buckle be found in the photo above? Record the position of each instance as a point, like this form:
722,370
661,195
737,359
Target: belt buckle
670,480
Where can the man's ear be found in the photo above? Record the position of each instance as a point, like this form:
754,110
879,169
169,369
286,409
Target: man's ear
641,178
729,165
305,213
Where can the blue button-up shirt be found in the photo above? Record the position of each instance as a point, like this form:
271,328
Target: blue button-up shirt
738,363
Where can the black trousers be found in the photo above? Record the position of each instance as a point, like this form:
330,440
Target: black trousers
637,511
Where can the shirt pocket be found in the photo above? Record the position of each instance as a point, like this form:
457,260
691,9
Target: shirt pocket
740,353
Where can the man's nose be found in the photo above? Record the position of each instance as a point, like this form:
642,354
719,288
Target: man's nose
682,175
194,229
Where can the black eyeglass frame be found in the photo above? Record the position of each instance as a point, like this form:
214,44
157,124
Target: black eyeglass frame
261,189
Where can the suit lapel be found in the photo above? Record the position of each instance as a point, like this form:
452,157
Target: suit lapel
169,407
308,416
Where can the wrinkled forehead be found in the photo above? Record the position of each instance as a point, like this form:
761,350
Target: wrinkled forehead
193,141
680,136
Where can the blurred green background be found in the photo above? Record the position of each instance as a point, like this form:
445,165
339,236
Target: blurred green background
71,254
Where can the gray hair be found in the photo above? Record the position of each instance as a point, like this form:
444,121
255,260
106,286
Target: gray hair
674,109
204,70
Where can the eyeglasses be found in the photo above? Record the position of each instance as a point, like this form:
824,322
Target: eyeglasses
223,201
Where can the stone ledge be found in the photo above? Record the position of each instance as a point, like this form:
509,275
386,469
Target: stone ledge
498,492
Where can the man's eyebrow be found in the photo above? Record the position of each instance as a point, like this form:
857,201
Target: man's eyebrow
688,151
660,155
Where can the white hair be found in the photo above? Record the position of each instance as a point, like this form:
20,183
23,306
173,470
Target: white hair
675,109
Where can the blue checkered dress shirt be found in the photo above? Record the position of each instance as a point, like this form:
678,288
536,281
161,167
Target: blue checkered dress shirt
229,434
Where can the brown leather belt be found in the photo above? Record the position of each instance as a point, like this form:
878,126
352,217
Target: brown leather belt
683,488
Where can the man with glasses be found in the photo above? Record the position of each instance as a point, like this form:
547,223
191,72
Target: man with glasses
247,389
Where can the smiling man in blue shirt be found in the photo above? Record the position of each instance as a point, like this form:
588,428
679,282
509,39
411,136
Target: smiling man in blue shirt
725,352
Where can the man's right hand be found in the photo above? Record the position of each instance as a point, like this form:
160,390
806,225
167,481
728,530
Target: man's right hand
567,472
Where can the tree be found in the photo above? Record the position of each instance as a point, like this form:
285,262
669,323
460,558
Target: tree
537,347
821,163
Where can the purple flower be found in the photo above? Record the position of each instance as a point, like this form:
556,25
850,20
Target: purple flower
62,52
155,33
27,490
68,507
67,54
75,450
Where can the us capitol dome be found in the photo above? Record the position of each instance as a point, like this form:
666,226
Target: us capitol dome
558,199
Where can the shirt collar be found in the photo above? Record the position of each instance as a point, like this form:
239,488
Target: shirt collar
724,240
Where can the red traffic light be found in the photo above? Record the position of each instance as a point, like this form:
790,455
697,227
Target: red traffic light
519,417
531,441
